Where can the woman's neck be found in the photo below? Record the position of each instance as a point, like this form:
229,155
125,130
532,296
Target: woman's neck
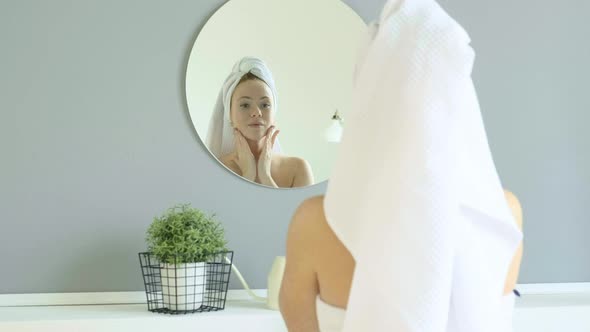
255,147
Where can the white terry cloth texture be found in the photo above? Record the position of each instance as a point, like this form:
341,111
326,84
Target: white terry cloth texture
220,135
415,195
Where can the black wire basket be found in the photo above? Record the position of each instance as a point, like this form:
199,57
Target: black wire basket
186,288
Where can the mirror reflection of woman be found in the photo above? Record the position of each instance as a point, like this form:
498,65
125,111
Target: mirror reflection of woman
243,134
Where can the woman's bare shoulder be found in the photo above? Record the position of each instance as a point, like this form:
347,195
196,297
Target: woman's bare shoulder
225,159
515,206
307,222
298,170
228,161
300,163
289,161
309,213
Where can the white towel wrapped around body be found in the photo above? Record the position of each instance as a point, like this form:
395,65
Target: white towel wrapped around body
415,196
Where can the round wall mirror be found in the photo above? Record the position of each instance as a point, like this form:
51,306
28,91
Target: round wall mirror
268,87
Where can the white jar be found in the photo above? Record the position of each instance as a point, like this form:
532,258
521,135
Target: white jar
275,277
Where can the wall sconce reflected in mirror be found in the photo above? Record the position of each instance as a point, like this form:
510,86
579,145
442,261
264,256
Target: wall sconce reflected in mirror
334,133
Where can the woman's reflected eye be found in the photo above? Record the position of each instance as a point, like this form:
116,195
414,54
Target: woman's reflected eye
266,105
244,105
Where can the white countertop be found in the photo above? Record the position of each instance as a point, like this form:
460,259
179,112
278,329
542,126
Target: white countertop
240,315
534,313
552,313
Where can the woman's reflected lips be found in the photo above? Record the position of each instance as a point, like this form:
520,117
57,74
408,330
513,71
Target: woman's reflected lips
256,125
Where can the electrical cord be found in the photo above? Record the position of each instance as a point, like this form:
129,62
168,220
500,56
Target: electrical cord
244,283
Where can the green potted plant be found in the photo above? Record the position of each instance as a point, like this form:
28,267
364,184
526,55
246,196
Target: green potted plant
182,240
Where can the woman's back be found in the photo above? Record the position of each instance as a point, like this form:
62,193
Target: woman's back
319,275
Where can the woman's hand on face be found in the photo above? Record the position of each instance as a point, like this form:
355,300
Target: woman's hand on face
244,157
265,159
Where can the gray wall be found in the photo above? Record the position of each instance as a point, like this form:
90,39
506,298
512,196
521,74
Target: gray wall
95,138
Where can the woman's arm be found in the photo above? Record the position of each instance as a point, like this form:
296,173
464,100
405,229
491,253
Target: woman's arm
267,180
299,287
514,269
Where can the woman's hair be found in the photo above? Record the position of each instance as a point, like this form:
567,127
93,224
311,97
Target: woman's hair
249,77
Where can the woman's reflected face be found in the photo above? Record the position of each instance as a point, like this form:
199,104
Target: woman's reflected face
252,108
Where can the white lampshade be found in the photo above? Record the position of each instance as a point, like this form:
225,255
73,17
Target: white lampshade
334,132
